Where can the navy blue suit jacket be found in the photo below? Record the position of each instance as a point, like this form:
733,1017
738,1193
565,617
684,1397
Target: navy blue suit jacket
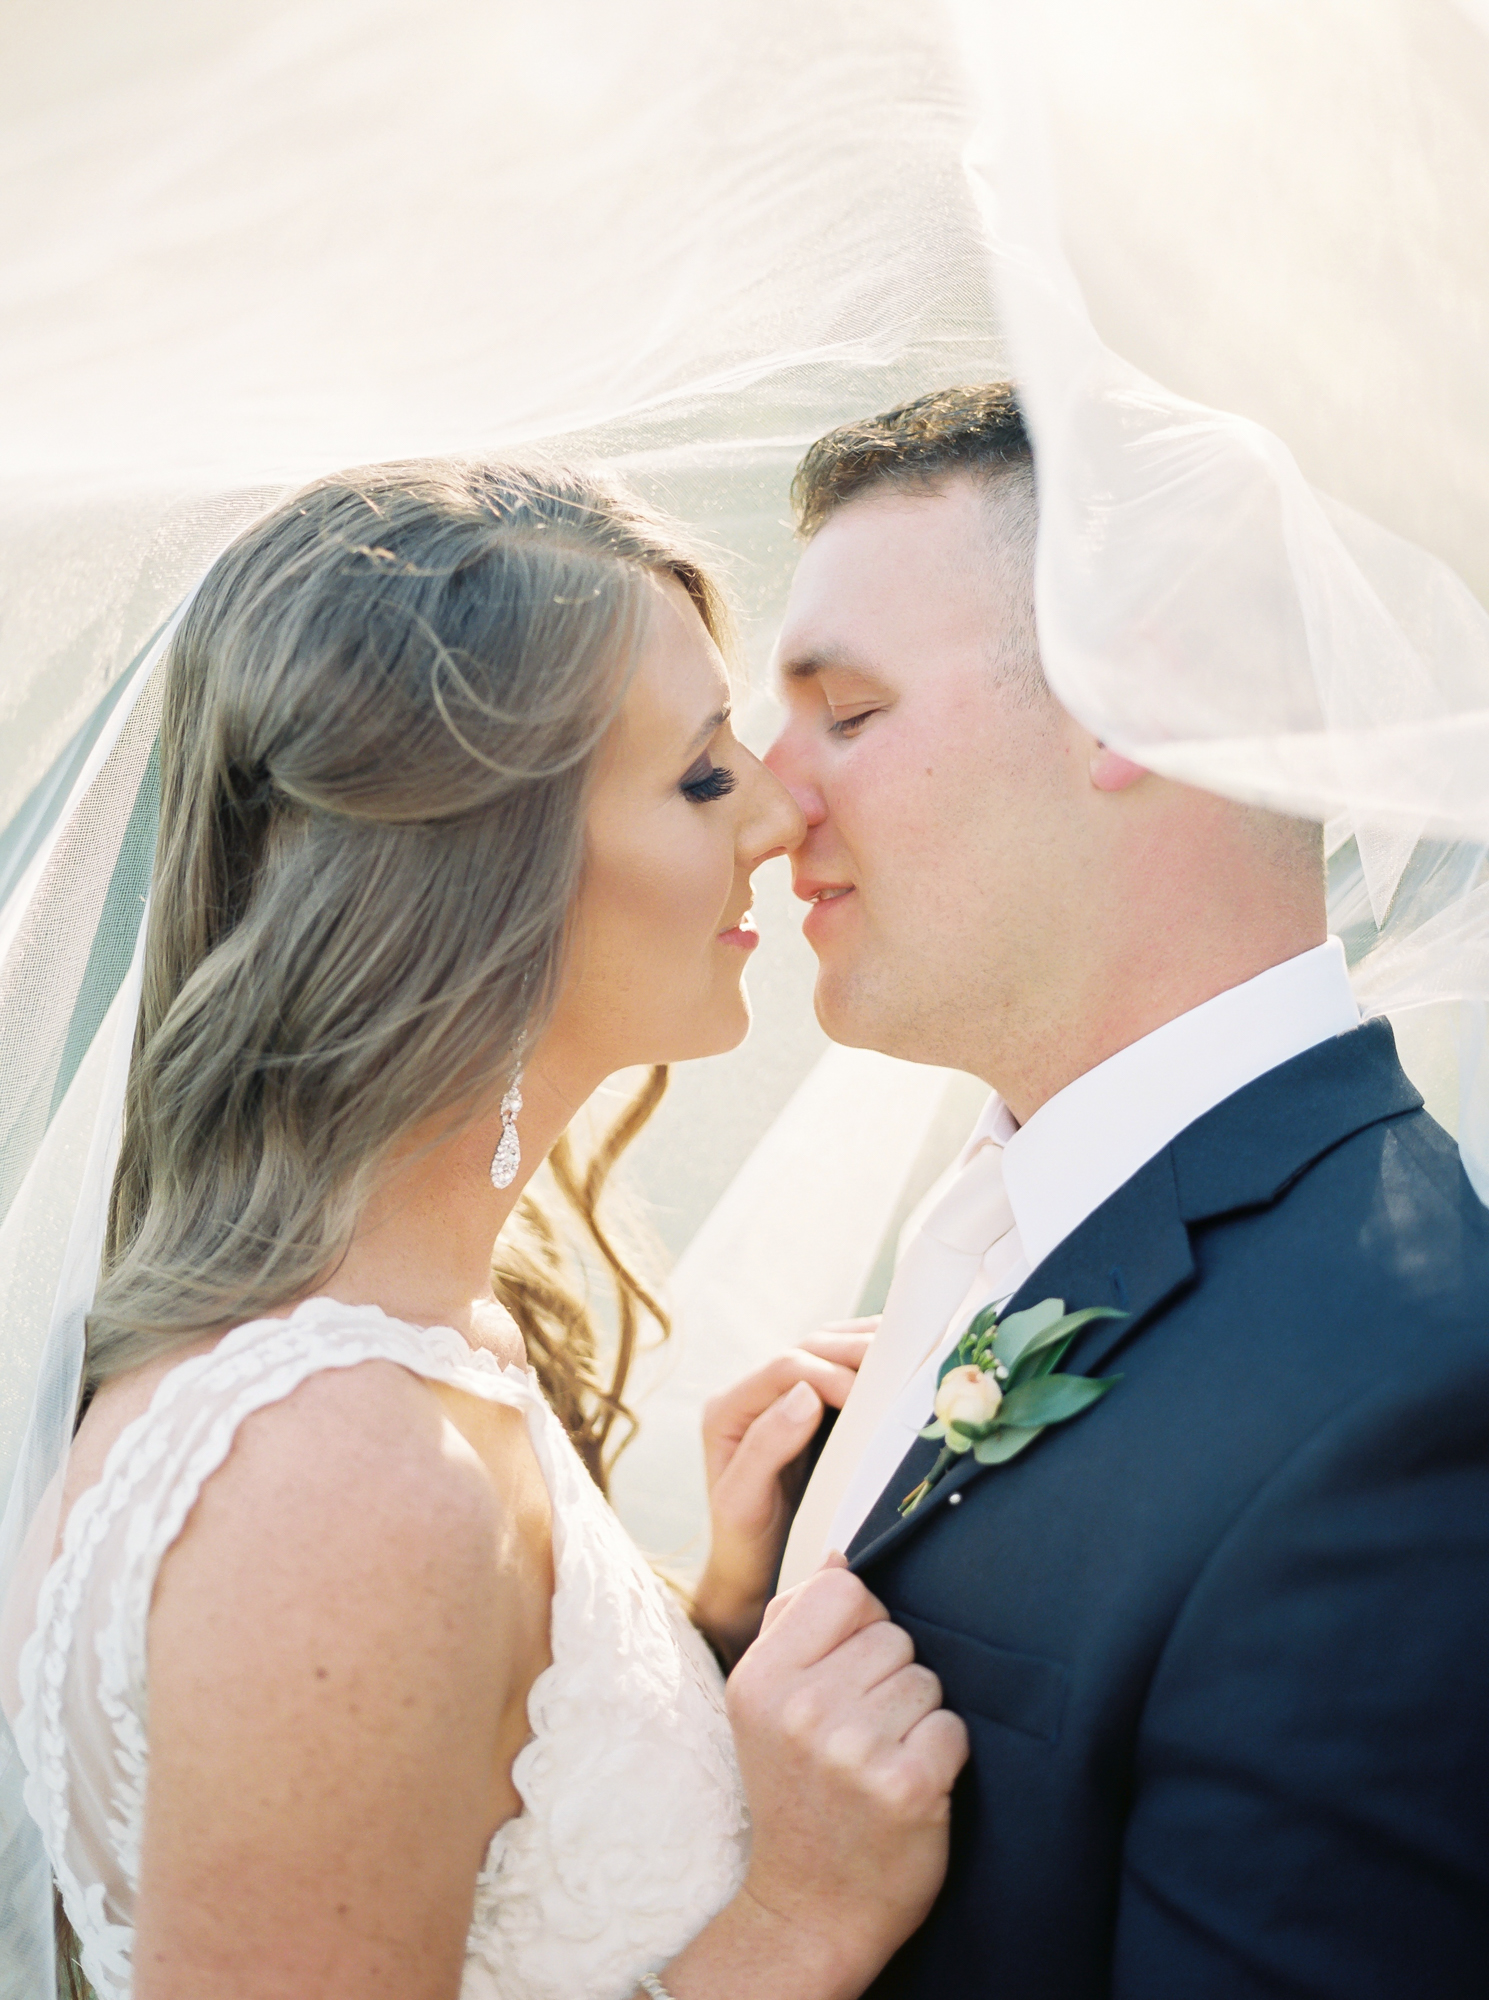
1222,1642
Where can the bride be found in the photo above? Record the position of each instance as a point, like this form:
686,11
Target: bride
341,1678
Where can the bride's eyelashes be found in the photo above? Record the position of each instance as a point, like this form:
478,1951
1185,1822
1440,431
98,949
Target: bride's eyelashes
708,781
849,725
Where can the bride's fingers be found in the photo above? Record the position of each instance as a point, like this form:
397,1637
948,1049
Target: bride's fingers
939,1746
726,1417
846,1345
826,1372
834,1559
844,1329
747,1490
829,1359
806,1624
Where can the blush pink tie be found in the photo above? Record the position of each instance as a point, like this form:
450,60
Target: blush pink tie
939,1267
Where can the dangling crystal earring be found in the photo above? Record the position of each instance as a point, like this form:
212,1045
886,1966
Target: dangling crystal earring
508,1155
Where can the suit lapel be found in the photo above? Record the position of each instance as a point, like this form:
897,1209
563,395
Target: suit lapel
1134,1251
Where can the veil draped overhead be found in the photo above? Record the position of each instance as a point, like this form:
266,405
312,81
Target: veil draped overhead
1232,253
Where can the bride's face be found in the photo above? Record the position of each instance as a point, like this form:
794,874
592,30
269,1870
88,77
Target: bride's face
680,817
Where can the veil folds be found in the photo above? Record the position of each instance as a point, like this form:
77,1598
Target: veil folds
1233,255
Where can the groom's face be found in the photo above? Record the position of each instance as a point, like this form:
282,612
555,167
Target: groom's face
935,771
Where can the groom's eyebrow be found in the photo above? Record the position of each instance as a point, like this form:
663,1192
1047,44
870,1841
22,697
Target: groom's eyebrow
808,665
826,660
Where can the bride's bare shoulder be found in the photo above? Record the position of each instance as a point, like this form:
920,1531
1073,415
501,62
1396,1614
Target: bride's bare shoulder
355,1459
339,1428
357,1472
337,1640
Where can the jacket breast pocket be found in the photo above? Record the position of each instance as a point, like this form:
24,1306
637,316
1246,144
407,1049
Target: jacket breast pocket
1022,1691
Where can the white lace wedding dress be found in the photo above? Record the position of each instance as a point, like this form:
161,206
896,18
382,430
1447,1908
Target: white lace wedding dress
633,1831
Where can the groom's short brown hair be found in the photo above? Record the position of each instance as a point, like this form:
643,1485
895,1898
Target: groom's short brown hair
977,430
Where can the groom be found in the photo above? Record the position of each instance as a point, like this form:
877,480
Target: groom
1221,1639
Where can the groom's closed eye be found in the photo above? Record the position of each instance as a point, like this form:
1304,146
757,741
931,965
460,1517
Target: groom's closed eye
849,722
849,697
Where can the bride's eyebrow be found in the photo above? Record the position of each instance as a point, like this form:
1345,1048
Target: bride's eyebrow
714,723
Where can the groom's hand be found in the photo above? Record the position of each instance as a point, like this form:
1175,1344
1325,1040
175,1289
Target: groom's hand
755,1439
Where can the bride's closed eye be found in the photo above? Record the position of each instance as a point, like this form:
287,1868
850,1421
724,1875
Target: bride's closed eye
706,781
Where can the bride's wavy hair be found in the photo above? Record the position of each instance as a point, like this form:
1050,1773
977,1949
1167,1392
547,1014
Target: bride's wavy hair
382,712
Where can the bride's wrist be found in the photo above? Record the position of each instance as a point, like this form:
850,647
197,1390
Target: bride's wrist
727,1616
750,1948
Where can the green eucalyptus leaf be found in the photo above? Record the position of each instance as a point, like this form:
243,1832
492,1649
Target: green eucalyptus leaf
956,1441
1040,1357
934,1429
1054,1399
1015,1333
971,1431
1005,1443
1064,1328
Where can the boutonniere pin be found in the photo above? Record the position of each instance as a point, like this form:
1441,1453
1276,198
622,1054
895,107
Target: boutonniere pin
997,1389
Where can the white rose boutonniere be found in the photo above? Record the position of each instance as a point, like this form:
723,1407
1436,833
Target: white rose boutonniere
998,1389
968,1398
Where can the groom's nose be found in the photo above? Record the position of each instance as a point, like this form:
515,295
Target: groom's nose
790,759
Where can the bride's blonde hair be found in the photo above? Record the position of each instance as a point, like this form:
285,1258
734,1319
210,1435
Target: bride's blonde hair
381,715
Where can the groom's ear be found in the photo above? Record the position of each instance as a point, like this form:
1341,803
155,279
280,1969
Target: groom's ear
1111,773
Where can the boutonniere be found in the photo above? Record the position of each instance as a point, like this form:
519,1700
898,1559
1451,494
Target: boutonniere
997,1389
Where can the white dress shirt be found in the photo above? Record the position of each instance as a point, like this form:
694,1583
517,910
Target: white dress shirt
1075,1151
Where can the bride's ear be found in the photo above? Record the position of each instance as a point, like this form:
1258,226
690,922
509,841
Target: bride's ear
1111,773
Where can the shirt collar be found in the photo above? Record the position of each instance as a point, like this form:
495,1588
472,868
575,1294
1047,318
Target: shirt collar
1093,1135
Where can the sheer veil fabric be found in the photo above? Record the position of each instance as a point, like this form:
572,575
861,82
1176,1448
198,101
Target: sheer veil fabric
1233,255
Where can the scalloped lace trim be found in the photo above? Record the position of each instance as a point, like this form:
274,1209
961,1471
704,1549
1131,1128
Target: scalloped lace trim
628,1723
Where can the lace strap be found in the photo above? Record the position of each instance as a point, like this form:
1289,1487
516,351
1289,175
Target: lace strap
152,1478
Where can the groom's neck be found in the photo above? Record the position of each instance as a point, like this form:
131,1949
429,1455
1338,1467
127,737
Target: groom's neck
1212,896
1110,1005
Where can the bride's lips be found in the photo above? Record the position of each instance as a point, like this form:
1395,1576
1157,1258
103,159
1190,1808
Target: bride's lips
825,898
743,935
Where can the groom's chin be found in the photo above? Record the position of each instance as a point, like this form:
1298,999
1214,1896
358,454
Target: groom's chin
859,1012
845,1011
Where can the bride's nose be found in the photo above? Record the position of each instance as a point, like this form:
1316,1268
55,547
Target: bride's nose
774,823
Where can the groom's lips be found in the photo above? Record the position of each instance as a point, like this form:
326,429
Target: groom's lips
824,897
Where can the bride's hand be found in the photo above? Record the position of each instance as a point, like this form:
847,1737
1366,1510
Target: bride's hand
755,1439
848,1760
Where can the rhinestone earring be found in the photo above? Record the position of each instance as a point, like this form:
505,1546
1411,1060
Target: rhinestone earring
508,1155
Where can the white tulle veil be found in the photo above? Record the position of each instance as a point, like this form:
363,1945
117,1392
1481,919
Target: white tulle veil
1231,253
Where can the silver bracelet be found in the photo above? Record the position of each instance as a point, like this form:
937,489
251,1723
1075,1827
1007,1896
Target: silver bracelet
653,1987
